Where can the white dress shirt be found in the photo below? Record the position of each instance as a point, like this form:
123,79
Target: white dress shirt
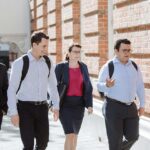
128,82
35,85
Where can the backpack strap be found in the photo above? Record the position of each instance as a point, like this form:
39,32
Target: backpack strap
26,67
111,68
48,62
135,65
24,70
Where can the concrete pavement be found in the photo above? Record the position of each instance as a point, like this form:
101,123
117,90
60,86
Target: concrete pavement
92,135
88,140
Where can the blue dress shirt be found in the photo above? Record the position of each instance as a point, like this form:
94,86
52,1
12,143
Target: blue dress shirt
35,85
128,82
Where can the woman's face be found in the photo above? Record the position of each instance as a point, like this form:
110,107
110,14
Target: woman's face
75,54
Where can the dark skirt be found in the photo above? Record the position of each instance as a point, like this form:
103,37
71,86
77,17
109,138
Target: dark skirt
72,113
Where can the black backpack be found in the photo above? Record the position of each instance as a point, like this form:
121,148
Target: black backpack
111,71
26,67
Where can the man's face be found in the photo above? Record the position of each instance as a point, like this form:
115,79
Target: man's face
124,52
41,48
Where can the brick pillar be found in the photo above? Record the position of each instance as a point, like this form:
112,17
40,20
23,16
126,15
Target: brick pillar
76,21
103,31
58,31
33,21
45,21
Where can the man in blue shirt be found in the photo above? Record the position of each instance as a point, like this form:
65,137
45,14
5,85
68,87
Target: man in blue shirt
121,113
28,107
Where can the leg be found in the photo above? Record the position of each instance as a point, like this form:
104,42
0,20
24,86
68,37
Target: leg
26,126
70,141
114,130
71,119
131,130
69,129
114,125
42,127
75,141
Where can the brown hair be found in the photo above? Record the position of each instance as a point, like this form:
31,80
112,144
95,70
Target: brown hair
37,37
120,41
70,49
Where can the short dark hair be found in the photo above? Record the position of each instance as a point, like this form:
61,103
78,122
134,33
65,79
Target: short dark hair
37,37
71,47
120,41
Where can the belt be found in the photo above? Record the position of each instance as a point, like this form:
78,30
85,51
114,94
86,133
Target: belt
119,102
33,102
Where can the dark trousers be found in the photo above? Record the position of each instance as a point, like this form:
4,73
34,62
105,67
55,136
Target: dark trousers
34,124
122,125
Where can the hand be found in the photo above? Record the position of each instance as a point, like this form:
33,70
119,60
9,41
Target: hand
141,111
15,120
56,114
90,110
51,109
110,82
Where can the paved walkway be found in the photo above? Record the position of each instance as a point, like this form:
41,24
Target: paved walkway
10,139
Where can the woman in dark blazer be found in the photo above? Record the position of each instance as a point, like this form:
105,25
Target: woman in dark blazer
3,91
78,95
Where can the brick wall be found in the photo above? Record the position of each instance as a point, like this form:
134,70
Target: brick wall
83,21
131,20
86,22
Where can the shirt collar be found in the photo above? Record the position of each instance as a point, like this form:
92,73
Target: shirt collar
116,60
31,57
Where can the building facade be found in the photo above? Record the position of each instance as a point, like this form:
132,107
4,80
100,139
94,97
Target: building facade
96,25
15,25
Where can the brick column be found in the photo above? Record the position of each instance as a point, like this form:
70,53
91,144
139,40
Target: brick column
33,21
103,30
45,21
76,20
58,31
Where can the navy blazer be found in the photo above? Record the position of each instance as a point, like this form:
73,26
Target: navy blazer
62,74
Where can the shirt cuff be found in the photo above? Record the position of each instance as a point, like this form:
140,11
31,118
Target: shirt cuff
12,112
142,104
55,105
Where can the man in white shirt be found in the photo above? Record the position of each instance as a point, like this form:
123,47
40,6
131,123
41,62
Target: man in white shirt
121,114
28,108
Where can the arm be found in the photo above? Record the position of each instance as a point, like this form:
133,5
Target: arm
15,77
54,93
53,88
140,92
88,93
